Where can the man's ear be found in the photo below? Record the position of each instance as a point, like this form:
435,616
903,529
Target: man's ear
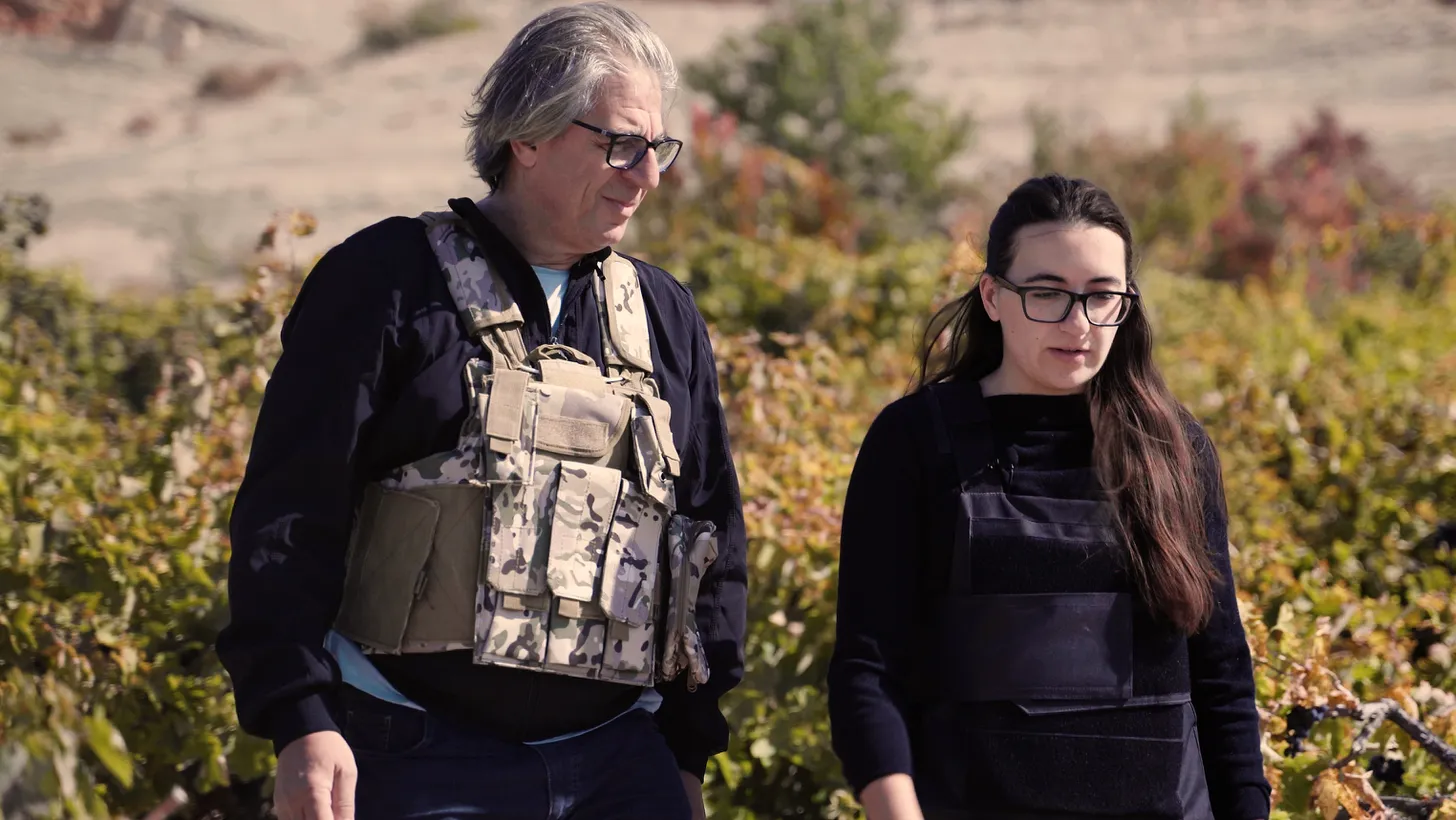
525,152
988,297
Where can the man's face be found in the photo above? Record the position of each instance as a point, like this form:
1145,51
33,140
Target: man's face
587,202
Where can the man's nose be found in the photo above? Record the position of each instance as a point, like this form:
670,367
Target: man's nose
645,174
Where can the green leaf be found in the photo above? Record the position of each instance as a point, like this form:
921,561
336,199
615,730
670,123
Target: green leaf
109,746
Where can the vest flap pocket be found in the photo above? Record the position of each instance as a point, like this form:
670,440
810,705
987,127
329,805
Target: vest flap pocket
510,449
516,555
572,374
582,438
516,632
692,546
445,611
386,570
651,465
579,423
586,497
629,657
1065,646
661,414
629,574
505,410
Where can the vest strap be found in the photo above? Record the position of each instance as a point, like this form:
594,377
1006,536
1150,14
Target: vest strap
625,342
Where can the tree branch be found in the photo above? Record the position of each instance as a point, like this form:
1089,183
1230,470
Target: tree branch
1438,748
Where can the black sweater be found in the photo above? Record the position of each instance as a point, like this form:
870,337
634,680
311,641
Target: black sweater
898,522
370,378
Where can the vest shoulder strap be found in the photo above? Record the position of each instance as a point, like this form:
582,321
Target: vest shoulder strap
625,340
968,442
481,296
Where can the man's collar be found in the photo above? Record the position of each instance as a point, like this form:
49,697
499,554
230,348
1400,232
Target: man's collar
487,232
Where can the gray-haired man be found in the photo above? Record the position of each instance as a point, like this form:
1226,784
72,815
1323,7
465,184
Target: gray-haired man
488,556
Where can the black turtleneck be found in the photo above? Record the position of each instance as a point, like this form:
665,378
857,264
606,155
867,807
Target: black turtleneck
897,537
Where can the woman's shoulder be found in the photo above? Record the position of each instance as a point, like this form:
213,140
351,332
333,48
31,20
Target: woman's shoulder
1205,452
915,422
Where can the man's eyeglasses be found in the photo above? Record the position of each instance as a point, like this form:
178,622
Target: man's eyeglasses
1104,308
624,151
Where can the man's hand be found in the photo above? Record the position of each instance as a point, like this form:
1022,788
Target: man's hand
316,777
694,787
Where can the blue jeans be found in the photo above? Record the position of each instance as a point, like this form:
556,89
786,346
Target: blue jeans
414,765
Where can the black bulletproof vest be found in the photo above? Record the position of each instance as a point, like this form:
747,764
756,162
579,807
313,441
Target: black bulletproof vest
1046,689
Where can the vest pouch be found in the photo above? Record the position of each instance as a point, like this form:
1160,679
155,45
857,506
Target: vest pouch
692,546
515,551
443,615
1129,763
1061,646
552,424
393,537
653,450
586,499
514,629
630,585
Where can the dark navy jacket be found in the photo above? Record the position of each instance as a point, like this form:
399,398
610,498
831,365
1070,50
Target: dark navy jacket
370,378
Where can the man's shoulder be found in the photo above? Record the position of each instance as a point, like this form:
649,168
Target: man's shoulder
663,286
387,255
390,235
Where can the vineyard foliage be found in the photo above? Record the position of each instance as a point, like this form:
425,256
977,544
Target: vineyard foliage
1305,309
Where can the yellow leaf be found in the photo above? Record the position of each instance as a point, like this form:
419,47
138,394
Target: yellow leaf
1446,811
1326,794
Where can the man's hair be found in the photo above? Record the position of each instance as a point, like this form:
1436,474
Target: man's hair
551,73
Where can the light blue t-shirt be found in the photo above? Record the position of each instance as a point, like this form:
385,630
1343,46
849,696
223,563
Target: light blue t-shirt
554,283
361,674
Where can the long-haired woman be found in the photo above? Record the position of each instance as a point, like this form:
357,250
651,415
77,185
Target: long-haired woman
1036,612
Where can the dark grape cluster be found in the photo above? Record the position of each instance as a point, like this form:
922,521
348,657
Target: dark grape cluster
1299,721
1388,769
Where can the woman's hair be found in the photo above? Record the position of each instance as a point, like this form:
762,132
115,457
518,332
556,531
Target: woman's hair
1141,450
551,72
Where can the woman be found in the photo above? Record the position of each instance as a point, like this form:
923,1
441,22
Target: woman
1036,609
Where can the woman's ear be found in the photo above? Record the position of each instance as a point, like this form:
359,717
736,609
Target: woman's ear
988,297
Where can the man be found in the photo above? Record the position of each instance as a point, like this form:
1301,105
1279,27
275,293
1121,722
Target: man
488,556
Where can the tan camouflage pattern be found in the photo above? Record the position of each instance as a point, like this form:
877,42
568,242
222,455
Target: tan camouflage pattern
483,297
517,631
577,644
586,498
627,316
693,546
581,494
515,549
651,466
629,573
661,413
630,654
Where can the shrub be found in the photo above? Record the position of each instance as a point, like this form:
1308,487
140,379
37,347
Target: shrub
1204,202
124,427
821,82
384,29
232,82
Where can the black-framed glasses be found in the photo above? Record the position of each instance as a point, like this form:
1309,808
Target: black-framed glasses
624,151
1103,308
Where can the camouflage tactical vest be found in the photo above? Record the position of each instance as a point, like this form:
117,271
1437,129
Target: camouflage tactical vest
548,538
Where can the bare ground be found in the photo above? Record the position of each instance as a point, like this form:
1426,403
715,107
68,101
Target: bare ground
354,141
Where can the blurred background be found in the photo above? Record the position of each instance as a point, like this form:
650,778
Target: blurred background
170,170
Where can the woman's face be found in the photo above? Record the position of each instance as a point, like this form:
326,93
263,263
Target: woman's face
1056,357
